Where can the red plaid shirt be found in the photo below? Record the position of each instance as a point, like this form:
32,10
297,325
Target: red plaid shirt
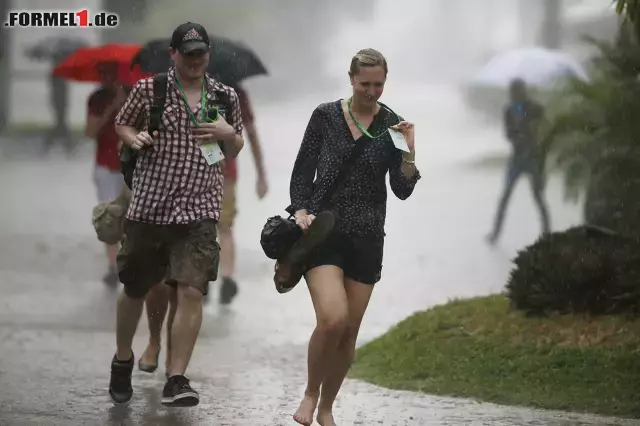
172,182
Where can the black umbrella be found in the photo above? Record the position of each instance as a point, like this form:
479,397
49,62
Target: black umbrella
231,61
55,49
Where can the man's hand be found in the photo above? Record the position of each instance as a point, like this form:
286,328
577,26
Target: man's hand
212,132
261,187
143,140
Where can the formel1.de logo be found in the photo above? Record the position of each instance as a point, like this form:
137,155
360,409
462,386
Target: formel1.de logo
60,19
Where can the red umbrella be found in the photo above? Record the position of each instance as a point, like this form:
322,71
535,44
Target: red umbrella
84,64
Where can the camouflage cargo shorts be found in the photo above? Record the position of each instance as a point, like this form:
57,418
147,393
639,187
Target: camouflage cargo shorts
186,254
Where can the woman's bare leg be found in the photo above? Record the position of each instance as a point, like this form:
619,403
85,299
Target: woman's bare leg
326,286
156,303
358,296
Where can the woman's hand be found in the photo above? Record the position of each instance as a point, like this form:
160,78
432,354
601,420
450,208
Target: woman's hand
304,220
407,130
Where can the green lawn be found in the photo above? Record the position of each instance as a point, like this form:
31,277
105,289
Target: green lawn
480,349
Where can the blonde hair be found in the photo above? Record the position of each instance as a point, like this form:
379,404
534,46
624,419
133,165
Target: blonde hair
367,58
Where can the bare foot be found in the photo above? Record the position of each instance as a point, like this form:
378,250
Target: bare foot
304,413
325,418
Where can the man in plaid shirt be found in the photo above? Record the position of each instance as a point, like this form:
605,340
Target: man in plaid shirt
170,228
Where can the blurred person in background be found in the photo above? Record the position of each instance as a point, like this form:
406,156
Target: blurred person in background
228,286
103,106
342,272
522,117
59,101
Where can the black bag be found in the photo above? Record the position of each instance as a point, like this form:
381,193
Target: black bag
129,157
279,234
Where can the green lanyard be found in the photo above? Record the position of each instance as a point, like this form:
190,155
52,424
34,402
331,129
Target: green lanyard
203,109
359,124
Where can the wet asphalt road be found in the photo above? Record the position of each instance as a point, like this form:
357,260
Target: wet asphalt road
57,319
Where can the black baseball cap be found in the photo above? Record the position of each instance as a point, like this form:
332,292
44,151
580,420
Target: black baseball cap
190,37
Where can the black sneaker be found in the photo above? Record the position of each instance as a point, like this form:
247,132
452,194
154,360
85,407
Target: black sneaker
120,389
178,393
228,290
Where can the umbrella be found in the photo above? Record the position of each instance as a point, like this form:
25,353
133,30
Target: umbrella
536,66
231,61
83,64
55,49
542,69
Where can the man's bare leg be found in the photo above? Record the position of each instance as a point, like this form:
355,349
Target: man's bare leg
228,285
156,302
227,252
111,277
128,316
173,307
185,328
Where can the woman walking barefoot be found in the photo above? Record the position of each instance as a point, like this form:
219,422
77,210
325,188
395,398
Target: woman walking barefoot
343,270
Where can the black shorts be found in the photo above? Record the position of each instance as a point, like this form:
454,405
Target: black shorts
186,254
359,258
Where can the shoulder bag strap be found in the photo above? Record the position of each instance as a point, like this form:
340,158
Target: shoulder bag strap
159,96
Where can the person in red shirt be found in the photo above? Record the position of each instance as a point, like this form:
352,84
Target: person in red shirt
229,287
102,108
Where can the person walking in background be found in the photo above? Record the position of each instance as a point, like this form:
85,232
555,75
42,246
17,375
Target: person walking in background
103,106
59,101
522,117
228,286
170,228
342,271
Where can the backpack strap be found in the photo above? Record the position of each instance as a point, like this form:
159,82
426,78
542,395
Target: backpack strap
159,96
129,157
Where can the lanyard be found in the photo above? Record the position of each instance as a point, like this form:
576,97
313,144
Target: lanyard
203,109
359,124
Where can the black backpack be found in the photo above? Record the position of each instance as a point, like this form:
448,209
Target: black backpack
128,156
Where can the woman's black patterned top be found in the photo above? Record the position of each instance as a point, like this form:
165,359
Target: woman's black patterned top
362,201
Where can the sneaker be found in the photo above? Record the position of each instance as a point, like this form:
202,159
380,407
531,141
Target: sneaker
120,389
228,290
178,393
